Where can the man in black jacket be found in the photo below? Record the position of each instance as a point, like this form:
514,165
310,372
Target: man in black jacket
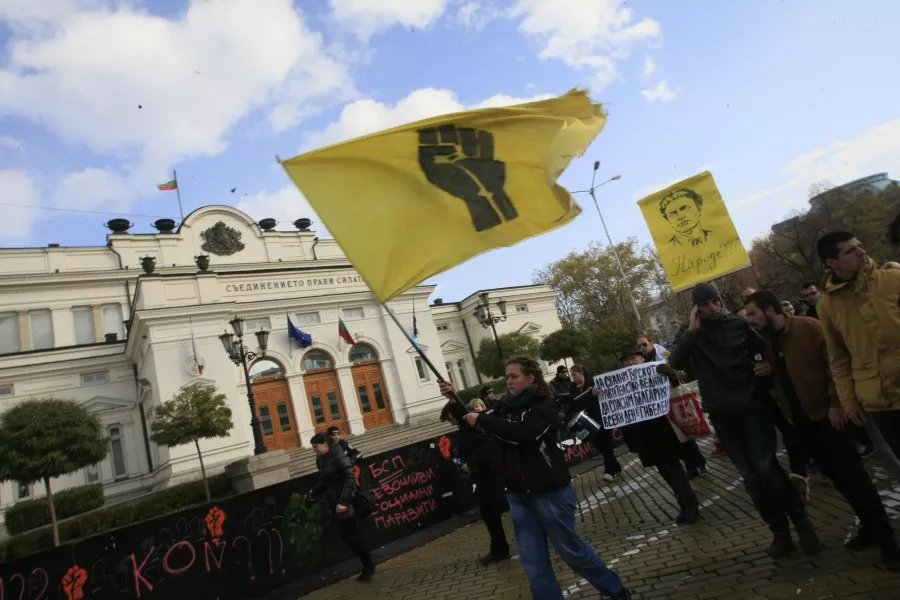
541,498
723,352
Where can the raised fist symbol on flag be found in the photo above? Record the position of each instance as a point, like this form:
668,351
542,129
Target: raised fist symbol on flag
460,161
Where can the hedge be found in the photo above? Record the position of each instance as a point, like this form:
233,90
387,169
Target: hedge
469,394
25,516
121,515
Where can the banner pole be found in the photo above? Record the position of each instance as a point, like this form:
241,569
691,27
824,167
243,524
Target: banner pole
457,408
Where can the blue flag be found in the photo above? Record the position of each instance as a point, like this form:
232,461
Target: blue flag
415,327
304,340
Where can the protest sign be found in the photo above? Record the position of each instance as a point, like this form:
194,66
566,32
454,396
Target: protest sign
633,394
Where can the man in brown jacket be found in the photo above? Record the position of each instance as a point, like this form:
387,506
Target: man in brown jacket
860,314
797,358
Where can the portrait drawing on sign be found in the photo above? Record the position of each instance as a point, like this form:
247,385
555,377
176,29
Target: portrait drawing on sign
683,210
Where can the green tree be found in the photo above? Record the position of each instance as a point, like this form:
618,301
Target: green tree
196,413
512,344
43,439
568,342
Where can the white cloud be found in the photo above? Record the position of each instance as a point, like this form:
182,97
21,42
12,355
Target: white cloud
286,205
154,91
875,150
475,15
649,67
367,17
585,34
8,141
368,116
661,92
93,188
17,221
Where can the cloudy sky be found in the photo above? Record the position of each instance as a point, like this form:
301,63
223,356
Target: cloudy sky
100,100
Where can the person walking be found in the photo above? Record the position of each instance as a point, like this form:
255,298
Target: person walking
650,349
539,490
798,357
336,487
860,315
581,383
720,350
352,453
657,445
483,462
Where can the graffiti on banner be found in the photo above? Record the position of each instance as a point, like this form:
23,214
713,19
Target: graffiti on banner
633,394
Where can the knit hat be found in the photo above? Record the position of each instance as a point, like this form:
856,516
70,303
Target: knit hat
703,292
561,369
629,350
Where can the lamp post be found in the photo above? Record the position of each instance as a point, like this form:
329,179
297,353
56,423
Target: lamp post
487,319
591,191
241,356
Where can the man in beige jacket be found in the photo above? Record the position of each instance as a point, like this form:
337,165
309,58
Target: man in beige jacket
860,314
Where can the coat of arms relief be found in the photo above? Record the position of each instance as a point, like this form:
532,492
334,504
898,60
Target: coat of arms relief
222,240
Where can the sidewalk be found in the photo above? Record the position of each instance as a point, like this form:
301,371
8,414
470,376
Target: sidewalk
630,524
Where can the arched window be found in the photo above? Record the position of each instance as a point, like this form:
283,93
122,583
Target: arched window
264,368
361,352
316,359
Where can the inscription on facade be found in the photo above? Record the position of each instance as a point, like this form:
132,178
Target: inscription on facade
290,284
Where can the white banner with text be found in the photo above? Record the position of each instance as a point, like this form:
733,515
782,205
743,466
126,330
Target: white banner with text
633,394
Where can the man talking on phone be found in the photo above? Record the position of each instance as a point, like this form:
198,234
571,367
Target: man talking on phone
725,355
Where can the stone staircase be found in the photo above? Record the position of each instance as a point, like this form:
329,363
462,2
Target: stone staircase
303,460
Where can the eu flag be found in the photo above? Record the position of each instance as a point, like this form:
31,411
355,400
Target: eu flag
304,340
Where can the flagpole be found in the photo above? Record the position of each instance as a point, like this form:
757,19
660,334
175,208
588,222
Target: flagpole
178,193
457,407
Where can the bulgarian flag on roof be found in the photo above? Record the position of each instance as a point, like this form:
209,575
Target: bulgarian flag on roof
344,333
172,184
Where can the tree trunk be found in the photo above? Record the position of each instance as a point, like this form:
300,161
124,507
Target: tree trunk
203,471
53,524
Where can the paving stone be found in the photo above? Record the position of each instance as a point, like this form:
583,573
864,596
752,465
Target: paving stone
630,524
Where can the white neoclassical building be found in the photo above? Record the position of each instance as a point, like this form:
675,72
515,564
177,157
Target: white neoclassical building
90,324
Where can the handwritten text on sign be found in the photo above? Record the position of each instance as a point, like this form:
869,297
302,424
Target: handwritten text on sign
632,395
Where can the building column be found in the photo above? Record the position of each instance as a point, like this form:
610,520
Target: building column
351,403
297,389
24,332
98,324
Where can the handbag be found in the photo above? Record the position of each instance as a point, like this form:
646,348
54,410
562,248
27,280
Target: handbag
363,503
686,413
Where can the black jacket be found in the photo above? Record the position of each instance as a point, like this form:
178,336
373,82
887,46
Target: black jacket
482,452
720,354
337,482
528,424
562,390
587,403
351,452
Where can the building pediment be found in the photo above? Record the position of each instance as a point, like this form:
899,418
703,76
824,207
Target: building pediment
99,404
453,346
529,327
412,349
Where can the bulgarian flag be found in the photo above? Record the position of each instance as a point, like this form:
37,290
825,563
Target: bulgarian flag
172,184
344,333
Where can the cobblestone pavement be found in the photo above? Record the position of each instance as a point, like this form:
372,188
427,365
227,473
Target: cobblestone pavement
630,524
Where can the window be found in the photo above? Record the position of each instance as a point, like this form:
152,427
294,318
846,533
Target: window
95,377
117,451
41,329
284,419
449,367
7,390
361,352
363,392
443,327
318,413
92,474
333,406
264,368
422,370
257,324
521,308
9,333
354,313
316,360
112,320
307,318
379,397
23,491
84,325
265,420
463,380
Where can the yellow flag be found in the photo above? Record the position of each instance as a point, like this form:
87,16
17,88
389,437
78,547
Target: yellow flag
413,201
694,235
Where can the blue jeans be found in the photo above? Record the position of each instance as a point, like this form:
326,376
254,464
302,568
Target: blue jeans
537,517
749,439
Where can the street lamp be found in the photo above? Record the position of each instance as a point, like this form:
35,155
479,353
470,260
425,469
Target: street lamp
241,356
591,191
487,319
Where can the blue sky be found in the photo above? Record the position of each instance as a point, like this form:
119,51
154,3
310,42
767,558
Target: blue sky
102,99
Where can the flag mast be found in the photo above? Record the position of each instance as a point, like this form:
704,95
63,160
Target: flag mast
178,193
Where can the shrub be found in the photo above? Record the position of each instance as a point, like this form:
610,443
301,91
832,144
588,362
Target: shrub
32,514
158,504
469,394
